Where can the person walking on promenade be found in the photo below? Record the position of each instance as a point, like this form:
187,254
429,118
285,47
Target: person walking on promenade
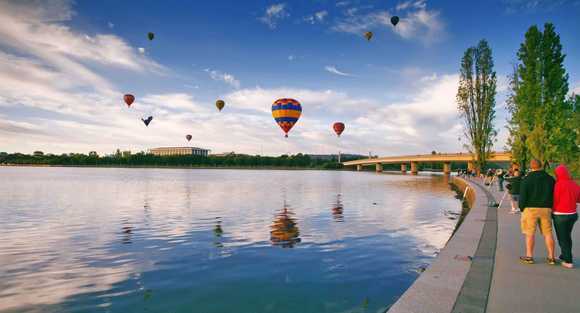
500,177
566,195
513,186
536,201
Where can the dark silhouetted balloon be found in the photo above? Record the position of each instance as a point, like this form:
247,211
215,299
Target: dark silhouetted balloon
129,99
188,137
395,20
286,113
220,104
338,128
150,35
147,120
368,35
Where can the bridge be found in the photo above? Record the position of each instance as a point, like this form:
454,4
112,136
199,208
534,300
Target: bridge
414,160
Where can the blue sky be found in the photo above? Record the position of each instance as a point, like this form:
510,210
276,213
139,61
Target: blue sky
64,67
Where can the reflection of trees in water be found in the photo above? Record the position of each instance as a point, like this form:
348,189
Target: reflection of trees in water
284,231
338,209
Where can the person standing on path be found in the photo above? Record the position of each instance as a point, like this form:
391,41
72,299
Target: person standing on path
500,177
513,186
566,195
536,201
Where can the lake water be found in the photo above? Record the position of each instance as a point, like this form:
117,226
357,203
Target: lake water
215,241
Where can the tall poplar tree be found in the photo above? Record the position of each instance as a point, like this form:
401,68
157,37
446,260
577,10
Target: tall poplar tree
542,121
476,100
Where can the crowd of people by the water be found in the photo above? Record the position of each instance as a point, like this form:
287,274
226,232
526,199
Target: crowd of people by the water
544,203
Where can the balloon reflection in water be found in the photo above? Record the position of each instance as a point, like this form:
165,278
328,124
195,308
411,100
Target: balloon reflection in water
338,209
127,232
218,232
284,231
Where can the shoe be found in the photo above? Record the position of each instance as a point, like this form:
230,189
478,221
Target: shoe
527,260
551,261
567,265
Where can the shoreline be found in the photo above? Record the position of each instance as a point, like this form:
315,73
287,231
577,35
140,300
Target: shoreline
182,167
440,288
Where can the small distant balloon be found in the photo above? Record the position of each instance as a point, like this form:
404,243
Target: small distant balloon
368,35
188,137
286,113
395,20
150,35
147,120
220,104
338,128
129,99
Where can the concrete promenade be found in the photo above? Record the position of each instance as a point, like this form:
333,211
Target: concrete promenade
479,270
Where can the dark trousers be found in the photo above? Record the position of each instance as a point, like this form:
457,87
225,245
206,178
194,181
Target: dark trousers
564,225
500,183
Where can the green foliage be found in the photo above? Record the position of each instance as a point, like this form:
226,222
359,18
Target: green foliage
142,159
476,100
543,122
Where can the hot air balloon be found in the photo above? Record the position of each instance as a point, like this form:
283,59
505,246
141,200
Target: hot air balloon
220,104
338,128
150,35
395,20
188,137
129,99
286,112
368,35
147,120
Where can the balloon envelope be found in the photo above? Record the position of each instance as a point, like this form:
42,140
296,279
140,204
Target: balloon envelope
338,128
286,113
188,137
395,20
147,120
129,99
220,104
369,35
150,35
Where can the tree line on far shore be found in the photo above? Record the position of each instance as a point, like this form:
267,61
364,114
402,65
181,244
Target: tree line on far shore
544,121
144,159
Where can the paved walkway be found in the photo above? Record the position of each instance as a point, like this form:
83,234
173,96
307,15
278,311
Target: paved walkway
540,288
479,271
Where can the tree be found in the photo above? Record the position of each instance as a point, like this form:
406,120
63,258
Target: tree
476,100
542,122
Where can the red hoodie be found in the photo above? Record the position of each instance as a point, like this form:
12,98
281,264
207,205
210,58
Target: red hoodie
566,192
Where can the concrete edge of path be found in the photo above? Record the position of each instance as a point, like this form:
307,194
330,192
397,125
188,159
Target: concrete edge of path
436,290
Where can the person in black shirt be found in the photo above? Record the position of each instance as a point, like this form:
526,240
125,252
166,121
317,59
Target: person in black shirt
536,200
513,186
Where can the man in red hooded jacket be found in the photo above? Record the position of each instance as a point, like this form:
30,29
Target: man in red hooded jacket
566,195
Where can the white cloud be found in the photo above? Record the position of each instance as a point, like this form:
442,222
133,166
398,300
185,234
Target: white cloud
576,90
141,50
342,3
417,22
110,25
291,58
317,17
224,77
332,69
274,14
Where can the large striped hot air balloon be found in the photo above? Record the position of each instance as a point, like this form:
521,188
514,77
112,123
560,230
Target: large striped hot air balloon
286,112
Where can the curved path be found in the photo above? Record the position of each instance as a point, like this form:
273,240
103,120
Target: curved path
479,271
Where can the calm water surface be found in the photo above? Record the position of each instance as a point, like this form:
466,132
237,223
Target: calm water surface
215,241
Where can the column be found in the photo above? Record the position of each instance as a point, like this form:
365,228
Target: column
404,168
414,168
359,167
378,167
470,165
447,168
